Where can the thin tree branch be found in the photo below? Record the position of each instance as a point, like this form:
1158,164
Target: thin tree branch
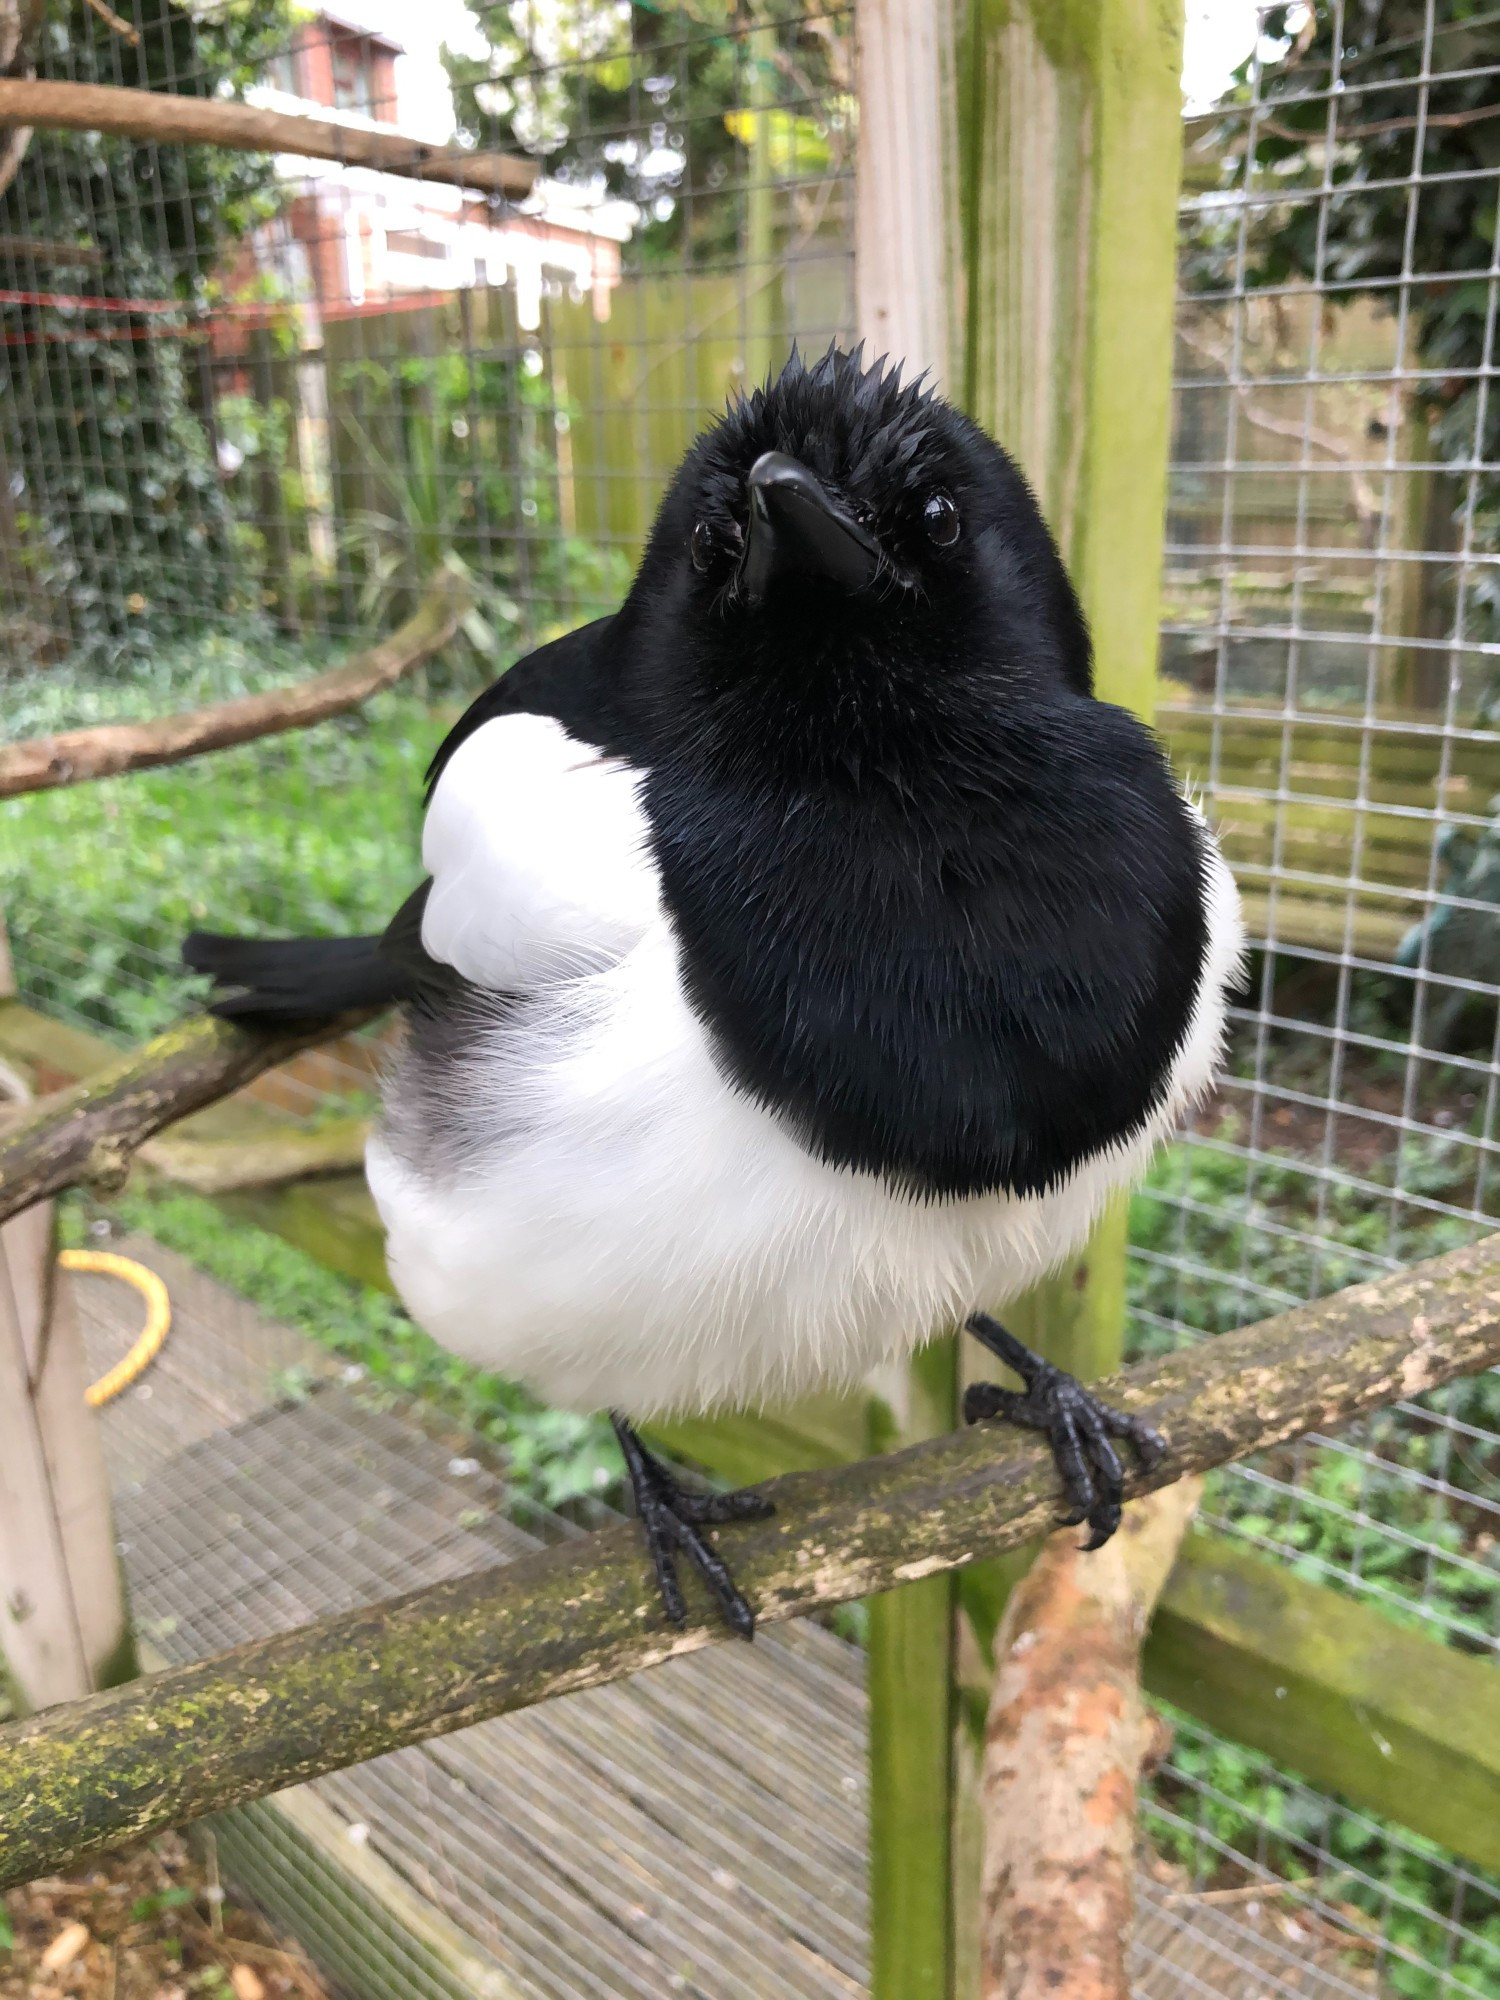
112,20
88,1134
278,1711
171,119
1067,1737
44,762
1366,506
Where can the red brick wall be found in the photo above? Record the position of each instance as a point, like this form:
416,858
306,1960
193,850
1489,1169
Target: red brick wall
314,62
385,85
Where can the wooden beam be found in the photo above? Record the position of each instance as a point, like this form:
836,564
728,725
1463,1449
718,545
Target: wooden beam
280,1710
903,53
50,250
1067,116
286,1153
1070,159
904,68
164,118
910,1684
1357,1703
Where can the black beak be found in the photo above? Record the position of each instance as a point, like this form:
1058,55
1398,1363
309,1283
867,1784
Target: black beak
795,527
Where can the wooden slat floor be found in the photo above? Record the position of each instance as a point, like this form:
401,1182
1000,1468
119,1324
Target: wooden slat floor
699,1830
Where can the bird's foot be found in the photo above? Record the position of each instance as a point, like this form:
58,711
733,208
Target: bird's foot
1078,1426
673,1517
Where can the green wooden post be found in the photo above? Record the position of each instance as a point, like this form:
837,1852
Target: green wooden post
910,1682
761,332
1018,176
902,237
1068,117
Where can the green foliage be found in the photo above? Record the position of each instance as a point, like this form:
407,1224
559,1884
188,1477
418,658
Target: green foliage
105,414
144,1908
460,453
314,831
1219,1800
651,102
553,1457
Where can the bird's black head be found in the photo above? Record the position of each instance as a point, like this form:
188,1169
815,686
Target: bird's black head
839,524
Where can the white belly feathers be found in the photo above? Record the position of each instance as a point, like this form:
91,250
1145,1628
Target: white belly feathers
622,1228
537,851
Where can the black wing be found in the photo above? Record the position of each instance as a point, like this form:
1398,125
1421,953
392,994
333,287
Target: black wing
569,678
281,979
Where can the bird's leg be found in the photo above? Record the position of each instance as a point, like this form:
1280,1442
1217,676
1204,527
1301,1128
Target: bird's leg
672,1516
1078,1426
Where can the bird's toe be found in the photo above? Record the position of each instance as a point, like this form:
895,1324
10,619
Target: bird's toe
983,1401
713,1509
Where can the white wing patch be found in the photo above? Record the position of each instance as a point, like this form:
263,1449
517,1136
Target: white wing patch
537,849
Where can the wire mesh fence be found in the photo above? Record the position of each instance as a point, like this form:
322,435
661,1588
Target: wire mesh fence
1329,656
251,406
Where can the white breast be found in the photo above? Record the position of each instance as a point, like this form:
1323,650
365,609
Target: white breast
630,1231
537,851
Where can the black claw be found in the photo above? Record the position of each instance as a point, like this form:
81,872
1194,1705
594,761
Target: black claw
982,1402
1078,1426
711,1509
671,1515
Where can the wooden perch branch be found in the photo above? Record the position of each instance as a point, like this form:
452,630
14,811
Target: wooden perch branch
272,1713
88,1134
170,119
1068,1733
104,752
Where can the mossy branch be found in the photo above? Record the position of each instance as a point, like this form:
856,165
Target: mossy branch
41,763
278,1711
87,1135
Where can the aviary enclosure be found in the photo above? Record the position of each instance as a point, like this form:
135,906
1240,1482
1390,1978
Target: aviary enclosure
262,409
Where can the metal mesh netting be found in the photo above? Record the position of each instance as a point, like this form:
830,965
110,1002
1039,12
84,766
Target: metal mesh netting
1329,653
1329,656
252,407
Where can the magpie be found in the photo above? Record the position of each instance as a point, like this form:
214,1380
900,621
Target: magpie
805,955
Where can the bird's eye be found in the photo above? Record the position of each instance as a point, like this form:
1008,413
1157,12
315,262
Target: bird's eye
701,545
940,519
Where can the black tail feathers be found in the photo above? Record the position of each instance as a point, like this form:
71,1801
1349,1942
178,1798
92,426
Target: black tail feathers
295,979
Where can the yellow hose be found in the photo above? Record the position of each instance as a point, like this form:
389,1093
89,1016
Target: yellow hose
153,1333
